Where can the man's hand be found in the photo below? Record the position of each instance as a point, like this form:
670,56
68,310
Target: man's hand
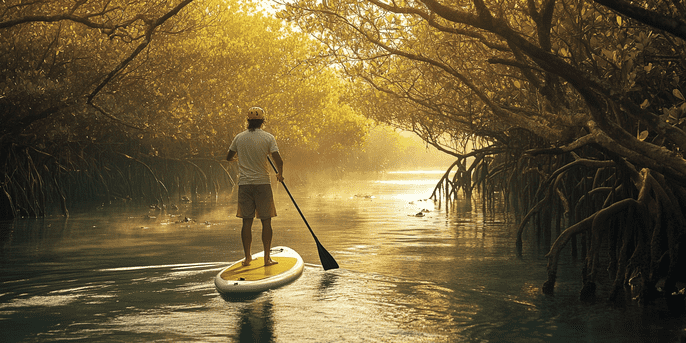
279,165
232,156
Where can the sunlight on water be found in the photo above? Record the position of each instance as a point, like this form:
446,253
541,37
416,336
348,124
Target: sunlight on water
47,301
412,270
419,172
408,182
183,266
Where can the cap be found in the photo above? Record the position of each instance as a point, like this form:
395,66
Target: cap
256,113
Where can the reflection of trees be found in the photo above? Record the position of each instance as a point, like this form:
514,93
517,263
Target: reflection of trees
573,109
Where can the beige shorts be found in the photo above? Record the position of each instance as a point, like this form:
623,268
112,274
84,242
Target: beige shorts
255,201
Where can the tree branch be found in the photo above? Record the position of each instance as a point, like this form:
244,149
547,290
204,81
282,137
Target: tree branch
665,23
148,37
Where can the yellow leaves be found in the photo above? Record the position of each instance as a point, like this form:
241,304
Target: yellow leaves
642,135
677,93
610,55
564,52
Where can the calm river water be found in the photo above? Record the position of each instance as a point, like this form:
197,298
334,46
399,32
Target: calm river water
451,275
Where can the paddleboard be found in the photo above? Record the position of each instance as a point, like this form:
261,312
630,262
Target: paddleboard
254,278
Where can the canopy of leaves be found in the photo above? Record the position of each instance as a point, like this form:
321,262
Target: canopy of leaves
567,72
165,78
564,99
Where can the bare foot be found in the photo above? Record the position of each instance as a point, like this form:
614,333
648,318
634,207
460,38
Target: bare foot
270,262
247,261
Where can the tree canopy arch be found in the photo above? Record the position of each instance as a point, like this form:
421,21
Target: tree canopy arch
542,85
95,89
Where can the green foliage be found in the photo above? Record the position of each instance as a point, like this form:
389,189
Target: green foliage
554,70
387,149
540,88
156,81
184,95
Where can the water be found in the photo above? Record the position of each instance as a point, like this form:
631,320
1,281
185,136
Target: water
116,275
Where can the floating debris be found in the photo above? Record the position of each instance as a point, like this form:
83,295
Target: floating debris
186,220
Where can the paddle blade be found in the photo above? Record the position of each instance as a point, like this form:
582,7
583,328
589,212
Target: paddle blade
328,262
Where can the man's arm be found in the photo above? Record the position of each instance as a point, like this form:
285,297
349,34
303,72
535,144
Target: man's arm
278,161
231,156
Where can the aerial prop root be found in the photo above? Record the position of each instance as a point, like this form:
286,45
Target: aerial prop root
594,223
550,185
654,217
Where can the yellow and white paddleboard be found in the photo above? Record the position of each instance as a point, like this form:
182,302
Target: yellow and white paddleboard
238,278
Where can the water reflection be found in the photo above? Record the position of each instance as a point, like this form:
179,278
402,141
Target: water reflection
256,321
450,275
40,236
327,282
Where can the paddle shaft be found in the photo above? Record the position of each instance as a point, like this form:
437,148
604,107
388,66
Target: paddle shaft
328,262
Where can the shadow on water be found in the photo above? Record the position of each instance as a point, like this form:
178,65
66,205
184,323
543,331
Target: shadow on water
256,316
256,321
327,282
241,297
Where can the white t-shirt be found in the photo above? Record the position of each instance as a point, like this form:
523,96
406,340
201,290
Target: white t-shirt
252,148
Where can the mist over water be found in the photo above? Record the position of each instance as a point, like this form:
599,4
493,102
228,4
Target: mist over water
412,270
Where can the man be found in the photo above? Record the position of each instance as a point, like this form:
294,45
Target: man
255,199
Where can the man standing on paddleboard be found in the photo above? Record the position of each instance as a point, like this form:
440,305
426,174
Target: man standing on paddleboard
255,199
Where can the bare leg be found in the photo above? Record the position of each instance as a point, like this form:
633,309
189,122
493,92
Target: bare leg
246,236
267,241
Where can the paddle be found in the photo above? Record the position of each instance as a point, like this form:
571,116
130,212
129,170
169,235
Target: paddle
328,261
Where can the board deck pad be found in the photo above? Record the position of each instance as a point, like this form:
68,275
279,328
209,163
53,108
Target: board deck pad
257,271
